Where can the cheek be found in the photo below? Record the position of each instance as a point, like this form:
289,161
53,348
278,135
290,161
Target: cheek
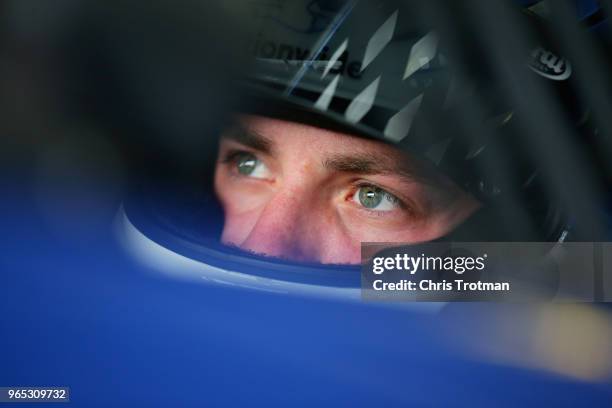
240,207
237,227
238,195
398,226
371,233
340,249
409,230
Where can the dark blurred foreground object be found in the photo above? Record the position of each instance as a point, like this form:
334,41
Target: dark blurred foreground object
149,78
96,93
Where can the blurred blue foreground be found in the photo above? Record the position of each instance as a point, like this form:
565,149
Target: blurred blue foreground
76,311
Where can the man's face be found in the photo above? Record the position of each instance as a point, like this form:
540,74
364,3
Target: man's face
300,192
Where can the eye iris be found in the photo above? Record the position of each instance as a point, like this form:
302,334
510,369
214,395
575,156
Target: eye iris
370,197
246,164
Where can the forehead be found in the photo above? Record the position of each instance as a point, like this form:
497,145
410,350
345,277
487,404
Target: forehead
290,135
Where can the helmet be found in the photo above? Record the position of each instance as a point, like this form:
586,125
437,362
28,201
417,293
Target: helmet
416,76
491,94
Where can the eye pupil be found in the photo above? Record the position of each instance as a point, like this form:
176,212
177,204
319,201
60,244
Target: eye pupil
246,164
370,197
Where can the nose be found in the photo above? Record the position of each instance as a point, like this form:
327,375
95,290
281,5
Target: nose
286,228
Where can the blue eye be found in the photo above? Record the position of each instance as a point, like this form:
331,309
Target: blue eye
375,198
248,164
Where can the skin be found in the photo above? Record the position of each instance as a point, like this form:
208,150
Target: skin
301,199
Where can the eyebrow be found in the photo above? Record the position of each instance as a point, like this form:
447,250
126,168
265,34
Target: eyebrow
370,164
250,138
357,163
